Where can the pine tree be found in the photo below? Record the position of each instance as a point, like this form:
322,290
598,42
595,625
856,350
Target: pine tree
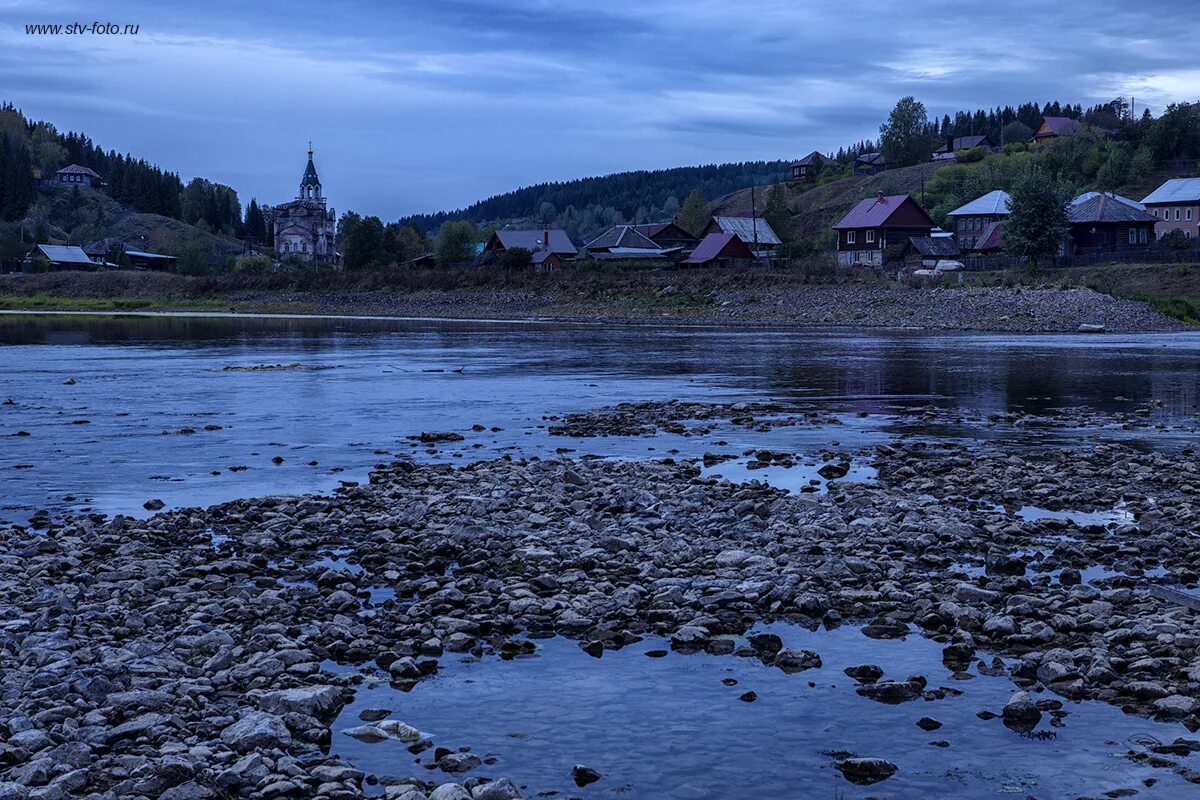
776,212
693,217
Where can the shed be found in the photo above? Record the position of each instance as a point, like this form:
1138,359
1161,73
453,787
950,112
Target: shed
719,250
62,257
746,229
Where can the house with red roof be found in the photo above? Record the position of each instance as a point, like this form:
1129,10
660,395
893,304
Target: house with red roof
876,222
720,250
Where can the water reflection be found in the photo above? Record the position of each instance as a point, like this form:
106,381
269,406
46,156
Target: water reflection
143,381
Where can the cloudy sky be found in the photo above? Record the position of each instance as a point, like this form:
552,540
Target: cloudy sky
421,106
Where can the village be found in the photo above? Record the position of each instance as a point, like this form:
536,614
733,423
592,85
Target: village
891,233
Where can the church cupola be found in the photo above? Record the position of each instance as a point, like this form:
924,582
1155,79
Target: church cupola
310,184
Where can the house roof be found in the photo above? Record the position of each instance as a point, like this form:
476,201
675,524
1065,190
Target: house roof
990,240
935,247
62,254
625,236
871,158
1083,198
713,245
812,159
1106,208
532,240
1176,190
75,169
745,227
541,256
964,143
1058,126
994,202
650,230
874,212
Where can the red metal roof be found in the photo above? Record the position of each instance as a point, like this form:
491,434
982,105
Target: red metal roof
718,245
874,212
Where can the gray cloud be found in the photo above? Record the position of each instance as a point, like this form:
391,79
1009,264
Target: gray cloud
416,106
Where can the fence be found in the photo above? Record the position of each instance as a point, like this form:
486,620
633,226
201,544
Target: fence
1149,255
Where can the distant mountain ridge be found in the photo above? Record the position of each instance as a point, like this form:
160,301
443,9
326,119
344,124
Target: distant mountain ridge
629,195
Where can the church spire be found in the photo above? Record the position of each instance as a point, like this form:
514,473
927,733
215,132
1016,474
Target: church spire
310,184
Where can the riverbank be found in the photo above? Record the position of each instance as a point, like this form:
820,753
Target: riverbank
205,653
743,300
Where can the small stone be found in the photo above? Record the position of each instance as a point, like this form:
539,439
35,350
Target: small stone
584,775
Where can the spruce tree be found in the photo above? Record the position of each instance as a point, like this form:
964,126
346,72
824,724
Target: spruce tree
693,217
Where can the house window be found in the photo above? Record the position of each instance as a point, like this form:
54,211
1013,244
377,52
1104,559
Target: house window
849,237
870,236
1187,214
1142,236
1177,215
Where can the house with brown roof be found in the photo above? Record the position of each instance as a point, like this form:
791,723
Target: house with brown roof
808,168
876,222
956,144
75,175
1176,205
720,250
1105,223
1054,127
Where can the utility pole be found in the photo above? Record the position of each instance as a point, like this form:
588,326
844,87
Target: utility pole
754,222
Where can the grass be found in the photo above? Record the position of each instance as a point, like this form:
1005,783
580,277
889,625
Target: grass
1180,308
46,302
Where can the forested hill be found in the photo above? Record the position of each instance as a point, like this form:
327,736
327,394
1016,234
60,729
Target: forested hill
634,196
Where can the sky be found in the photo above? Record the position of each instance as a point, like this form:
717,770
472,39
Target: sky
425,106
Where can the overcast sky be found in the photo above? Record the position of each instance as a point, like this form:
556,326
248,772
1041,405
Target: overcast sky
421,106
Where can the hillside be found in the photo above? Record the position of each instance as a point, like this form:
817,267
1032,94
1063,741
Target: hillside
588,205
815,208
81,216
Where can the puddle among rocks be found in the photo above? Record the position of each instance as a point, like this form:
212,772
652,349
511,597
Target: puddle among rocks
803,477
674,726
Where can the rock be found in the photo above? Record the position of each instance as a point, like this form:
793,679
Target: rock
832,472
503,789
1176,706
790,660
1021,708
928,724
864,673
1091,327
891,692
154,505
450,791
584,775
258,730
765,642
374,714
322,702
367,733
866,771
458,762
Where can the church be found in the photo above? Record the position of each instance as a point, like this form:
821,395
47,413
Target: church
303,228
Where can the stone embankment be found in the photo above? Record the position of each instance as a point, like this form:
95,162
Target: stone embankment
186,656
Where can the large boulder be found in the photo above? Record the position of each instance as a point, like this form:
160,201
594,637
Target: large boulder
258,730
322,702
865,771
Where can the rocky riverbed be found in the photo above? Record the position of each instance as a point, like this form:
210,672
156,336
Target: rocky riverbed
205,653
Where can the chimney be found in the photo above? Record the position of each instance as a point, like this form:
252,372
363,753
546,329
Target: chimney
879,197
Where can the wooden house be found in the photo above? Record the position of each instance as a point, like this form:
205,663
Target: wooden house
668,235
1105,224
754,231
1054,127
808,169
924,252
75,175
955,144
58,257
720,250
552,239
869,164
876,222
976,225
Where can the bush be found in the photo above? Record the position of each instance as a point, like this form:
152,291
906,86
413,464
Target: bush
1013,148
252,264
971,155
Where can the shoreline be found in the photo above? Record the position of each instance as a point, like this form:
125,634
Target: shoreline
749,301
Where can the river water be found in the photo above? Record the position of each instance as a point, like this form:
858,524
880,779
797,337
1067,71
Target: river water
104,413
122,409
